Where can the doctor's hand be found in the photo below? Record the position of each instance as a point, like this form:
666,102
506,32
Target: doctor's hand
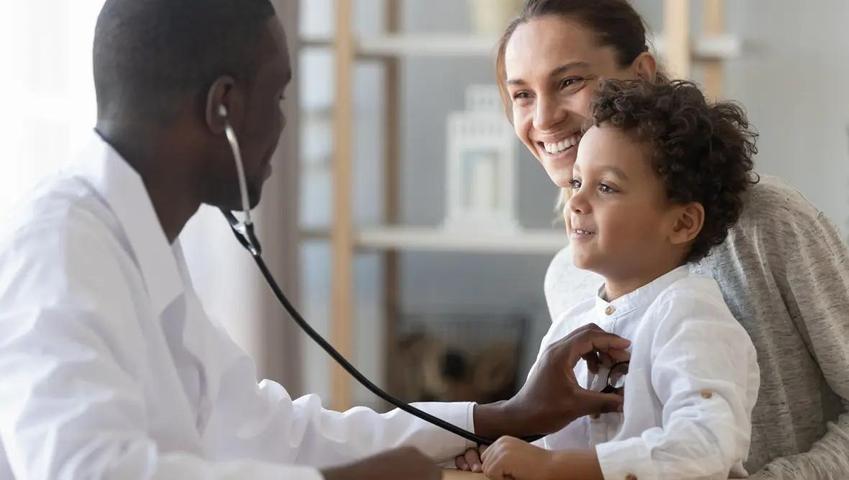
551,397
406,463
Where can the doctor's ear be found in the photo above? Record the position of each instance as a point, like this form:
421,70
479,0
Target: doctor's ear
223,104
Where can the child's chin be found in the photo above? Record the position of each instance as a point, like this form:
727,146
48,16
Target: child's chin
584,262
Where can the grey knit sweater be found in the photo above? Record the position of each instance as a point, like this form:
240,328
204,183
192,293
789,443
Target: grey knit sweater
784,272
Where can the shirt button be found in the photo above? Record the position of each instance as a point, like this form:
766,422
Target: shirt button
706,394
609,310
630,476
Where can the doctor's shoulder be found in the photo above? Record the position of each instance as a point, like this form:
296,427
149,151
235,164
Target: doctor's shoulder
58,225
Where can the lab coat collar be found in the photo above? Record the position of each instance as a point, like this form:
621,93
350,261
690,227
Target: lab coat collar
640,298
123,190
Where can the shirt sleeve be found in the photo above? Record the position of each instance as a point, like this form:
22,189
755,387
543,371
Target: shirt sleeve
704,374
813,278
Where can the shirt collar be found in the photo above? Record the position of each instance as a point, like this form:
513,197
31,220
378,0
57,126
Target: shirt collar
640,298
123,190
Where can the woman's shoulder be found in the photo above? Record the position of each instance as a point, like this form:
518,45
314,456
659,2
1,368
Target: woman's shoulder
772,201
777,220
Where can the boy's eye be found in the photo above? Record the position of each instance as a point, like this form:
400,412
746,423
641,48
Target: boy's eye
605,188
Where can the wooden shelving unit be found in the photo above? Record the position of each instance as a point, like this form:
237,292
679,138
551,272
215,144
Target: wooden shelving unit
707,48
675,47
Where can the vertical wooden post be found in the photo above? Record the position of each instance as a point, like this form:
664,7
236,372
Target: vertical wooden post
342,302
391,196
676,25
714,71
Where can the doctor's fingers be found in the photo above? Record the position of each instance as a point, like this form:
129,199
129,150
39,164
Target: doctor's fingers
577,345
587,402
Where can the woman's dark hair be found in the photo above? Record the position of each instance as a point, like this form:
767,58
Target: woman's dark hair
702,151
615,23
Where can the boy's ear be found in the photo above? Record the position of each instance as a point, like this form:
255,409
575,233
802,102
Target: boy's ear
687,223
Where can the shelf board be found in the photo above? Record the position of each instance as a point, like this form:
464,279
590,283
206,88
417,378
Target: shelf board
708,47
435,239
422,45
705,48
438,239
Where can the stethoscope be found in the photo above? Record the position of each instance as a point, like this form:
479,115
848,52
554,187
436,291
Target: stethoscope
244,231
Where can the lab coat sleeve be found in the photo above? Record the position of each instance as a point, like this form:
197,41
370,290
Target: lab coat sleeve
328,437
302,431
704,373
72,406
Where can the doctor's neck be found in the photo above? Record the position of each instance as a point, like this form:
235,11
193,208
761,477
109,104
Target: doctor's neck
167,161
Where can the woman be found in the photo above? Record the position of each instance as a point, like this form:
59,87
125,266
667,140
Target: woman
784,271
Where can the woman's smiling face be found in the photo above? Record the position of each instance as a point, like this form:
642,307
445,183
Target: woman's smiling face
552,66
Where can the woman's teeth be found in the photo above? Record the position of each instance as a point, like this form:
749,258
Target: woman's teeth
554,148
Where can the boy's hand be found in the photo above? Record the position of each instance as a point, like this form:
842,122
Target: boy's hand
551,398
511,458
470,461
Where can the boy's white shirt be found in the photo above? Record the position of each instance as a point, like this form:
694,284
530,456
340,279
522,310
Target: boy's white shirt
692,383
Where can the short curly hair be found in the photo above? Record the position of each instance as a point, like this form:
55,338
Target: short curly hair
702,151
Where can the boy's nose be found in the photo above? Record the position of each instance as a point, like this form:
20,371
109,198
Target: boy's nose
576,203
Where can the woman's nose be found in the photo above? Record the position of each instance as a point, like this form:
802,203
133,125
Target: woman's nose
548,113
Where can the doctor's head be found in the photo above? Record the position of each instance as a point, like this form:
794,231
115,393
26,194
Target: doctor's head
163,68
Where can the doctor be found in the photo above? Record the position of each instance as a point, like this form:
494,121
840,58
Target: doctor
110,367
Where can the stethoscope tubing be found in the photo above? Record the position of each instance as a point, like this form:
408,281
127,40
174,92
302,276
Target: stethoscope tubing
244,232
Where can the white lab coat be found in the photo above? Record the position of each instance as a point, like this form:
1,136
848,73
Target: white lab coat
109,367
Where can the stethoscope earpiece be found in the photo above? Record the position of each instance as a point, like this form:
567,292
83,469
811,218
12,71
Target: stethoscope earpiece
222,111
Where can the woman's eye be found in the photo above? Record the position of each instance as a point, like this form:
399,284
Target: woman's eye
523,95
572,83
575,184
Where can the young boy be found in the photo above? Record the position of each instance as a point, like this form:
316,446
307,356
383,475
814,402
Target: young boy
659,179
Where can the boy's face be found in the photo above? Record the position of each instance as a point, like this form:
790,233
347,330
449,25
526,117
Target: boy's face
617,215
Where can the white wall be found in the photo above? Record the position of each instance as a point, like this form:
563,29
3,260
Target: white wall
794,82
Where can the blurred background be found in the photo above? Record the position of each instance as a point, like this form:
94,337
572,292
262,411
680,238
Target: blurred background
403,218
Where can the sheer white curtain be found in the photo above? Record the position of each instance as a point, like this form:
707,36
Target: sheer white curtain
48,112
48,91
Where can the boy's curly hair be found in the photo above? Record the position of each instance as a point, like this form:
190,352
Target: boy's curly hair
702,152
